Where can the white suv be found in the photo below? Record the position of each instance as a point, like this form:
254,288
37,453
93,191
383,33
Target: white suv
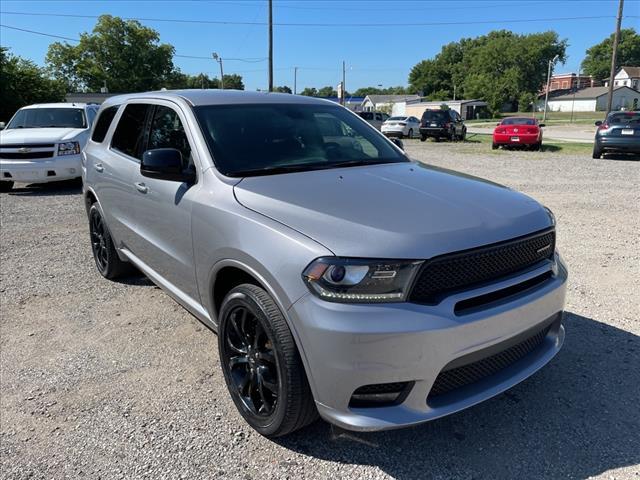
43,143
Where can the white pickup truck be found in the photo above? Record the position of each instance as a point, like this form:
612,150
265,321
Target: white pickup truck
43,143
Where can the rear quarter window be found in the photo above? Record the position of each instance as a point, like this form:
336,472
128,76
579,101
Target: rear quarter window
104,122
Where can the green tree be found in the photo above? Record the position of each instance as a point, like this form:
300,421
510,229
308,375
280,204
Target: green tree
283,89
327,91
498,67
124,54
364,91
597,61
309,92
233,82
22,83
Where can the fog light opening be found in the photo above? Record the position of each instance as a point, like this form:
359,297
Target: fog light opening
380,395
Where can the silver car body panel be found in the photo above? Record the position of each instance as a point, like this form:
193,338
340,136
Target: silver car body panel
271,227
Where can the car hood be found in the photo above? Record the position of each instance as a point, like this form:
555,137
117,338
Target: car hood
403,210
18,136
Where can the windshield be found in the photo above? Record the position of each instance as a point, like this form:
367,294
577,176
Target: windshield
432,115
626,118
248,140
518,121
48,117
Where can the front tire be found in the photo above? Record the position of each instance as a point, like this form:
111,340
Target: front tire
423,138
410,134
5,186
104,252
261,364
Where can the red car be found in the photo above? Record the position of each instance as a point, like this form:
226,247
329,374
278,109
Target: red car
518,131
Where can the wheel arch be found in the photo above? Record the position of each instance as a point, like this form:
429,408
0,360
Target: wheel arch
241,271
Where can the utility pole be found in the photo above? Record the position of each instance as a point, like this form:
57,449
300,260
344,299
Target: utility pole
454,92
218,59
271,45
614,54
546,93
295,80
344,87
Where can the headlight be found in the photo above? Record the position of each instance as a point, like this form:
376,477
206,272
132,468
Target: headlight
552,217
69,148
348,280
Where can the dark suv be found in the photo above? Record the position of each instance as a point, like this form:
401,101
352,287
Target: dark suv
442,124
620,132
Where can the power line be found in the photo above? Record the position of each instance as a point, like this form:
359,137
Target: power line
353,25
246,60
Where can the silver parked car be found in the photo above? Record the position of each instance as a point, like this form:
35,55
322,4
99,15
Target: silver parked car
342,280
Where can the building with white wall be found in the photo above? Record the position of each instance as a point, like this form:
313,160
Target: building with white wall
592,100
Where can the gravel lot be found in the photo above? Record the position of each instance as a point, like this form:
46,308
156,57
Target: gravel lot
115,380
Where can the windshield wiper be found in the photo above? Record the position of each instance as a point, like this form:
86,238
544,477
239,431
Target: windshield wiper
279,169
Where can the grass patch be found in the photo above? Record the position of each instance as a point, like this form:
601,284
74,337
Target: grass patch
567,148
553,118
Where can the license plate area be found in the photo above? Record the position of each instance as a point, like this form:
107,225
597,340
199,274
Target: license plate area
627,131
515,139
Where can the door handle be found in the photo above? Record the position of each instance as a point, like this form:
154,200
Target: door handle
141,187
99,167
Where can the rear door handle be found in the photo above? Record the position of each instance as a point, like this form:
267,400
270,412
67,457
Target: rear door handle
99,167
142,188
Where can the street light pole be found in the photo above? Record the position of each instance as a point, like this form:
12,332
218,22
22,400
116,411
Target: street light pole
614,55
546,93
218,59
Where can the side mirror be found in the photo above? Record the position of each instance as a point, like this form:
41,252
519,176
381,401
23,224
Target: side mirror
2,125
598,123
541,125
165,164
398,143
498,124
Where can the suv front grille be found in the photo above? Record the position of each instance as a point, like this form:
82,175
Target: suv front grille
448,273
44,150
449,380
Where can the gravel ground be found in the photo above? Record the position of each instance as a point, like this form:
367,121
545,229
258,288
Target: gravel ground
115,380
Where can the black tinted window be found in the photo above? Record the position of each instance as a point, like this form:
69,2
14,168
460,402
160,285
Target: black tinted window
129,132
103,124
435,115
167,132
518,121
626,118
366,115
48,118
259,139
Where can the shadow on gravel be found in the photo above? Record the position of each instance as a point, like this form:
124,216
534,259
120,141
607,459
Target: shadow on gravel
69,187
621,157
576,418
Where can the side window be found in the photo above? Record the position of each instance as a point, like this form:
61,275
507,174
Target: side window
129,133
378,116
167,131
103,123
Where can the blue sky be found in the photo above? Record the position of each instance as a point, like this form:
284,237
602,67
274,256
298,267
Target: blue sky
380,55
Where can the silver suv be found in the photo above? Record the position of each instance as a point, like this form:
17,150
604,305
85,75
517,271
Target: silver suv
342,278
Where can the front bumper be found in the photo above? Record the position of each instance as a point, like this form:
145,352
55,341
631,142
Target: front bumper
41,171
348,346
619,144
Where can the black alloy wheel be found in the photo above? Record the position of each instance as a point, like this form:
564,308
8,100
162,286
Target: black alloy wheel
261,364
104,253
251,361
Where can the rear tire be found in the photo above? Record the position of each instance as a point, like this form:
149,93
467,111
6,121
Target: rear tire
410,133
494,146
597,152
261,364
423,138
5,186
104,252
